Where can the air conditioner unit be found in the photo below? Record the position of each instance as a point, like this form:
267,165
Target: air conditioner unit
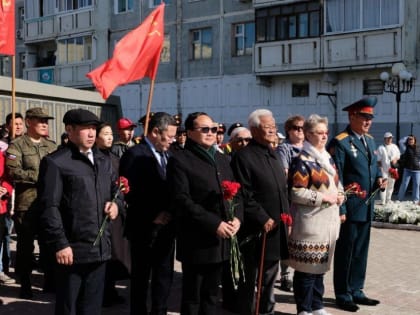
19,34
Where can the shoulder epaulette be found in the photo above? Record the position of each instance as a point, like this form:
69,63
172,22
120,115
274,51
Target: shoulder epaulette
369,135
342,135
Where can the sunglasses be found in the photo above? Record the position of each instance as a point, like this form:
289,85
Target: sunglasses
297,128
243,140
207,129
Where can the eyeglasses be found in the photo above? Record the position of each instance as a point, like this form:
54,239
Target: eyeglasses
297,128
243,140
320,133
207,129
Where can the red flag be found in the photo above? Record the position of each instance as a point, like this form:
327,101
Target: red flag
135,56
7,27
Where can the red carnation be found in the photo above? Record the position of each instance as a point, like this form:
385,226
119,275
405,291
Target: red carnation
286,218
124,188
230,189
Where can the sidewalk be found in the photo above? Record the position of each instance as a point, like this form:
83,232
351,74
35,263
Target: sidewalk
393,276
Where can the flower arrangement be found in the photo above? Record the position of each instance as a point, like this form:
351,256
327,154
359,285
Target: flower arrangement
230,189
124,188
398,212
393,172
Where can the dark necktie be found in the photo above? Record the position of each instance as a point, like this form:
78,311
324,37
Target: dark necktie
163,161
362,138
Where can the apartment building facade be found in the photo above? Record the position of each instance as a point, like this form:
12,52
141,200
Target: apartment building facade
228,57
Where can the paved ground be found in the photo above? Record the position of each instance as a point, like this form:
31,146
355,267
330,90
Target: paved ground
393,276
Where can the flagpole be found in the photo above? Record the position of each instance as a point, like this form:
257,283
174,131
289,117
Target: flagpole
12,135
149,105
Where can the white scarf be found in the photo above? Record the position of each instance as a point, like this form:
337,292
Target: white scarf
321,157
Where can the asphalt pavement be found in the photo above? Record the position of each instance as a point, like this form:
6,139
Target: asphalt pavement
393,277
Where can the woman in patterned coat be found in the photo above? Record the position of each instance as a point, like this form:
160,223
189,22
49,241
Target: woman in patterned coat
316,195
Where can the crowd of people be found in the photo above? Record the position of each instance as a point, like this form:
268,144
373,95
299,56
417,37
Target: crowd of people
91,203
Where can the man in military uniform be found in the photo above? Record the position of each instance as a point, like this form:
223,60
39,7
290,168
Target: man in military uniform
22,161
353,152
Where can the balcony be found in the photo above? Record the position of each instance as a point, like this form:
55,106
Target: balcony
362,50
287,56
49,27
73,75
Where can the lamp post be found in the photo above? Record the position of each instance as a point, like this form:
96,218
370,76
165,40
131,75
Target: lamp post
400,81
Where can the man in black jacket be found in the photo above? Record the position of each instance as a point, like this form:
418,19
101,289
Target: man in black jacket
195,175
76,189
259,170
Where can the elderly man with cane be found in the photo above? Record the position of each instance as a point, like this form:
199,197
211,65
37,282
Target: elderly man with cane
259,170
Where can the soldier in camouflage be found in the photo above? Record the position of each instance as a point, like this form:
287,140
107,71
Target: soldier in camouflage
22,161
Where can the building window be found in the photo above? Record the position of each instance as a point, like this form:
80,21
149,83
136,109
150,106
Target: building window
201,44
122,6
244,38
68,5
165,55
155,3
300,89
74,50
286,22
346,16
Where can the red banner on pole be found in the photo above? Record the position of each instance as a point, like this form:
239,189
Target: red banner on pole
135,56
7,27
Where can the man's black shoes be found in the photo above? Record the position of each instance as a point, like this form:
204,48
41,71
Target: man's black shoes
348,306
365,301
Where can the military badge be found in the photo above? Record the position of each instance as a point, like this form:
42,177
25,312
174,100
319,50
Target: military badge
353,149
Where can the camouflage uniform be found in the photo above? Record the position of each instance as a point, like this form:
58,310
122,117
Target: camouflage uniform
23,159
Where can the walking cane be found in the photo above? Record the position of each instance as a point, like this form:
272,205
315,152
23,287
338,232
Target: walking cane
260,275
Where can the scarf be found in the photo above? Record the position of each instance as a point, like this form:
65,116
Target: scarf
321,157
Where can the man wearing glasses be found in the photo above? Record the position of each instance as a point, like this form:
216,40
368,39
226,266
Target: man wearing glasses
195,175
353,153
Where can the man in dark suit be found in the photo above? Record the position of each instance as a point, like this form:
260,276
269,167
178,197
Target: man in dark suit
353,152
203,229
259,170
148,224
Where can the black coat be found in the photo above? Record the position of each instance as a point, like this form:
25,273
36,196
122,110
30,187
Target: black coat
261,173
199,205
72,195
149,192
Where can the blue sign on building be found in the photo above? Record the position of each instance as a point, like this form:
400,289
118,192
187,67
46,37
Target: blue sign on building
46,76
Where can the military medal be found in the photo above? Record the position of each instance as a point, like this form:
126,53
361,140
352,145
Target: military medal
353,149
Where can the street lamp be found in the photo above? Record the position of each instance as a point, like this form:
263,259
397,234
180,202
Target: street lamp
400,81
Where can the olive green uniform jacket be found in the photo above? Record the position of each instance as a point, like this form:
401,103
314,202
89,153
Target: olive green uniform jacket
22,161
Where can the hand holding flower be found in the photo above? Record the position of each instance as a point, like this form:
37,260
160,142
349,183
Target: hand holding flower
340,199
236,224
229,229
330,199
111,210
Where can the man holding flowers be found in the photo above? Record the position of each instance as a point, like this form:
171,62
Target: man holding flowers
75,192
354,153
204,226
